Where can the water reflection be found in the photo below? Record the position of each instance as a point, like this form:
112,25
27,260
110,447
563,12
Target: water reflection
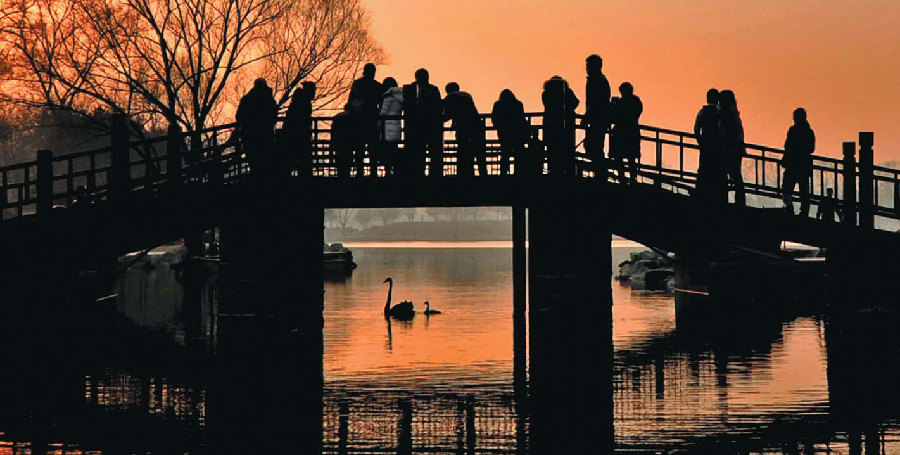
215,372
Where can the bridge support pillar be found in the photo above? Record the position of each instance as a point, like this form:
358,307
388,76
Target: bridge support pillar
570,317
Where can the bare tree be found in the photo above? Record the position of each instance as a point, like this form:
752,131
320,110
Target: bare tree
410,213
182,62
343,217
325,41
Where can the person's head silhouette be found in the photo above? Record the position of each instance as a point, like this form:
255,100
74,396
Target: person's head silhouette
422,76
451,87
594,64
260,83
369,71
389,82
712,96
829,192
507,95
309,89
727,100
800,115
626,89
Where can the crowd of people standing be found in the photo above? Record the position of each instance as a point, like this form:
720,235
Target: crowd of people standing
380,116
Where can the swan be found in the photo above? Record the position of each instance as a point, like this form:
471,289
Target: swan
402,310
429,311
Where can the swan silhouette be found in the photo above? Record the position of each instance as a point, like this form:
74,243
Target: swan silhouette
429,311
402,310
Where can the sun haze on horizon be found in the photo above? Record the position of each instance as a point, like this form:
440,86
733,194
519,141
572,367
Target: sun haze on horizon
836,59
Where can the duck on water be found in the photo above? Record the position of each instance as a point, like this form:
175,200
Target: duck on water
402,310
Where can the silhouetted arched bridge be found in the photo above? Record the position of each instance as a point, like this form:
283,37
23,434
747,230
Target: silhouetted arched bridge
142,193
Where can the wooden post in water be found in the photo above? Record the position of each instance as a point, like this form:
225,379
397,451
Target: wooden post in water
866,181
849,203
44,182
520,304
120,168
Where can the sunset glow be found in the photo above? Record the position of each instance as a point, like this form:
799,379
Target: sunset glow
837,59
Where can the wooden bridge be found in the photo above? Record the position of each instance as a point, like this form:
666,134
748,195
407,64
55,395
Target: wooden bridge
206,172
134,195
139,194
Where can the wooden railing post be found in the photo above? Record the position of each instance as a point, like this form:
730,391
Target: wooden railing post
44,182
849,204
866,181
120,168
174,145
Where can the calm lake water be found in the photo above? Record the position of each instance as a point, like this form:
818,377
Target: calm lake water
762,385
792,382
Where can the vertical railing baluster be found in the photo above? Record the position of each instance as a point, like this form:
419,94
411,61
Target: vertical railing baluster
27,188
681,155
896,194
4,195
658,160
92,168
764,163
70,183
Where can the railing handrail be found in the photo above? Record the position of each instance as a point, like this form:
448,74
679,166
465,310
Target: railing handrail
99,172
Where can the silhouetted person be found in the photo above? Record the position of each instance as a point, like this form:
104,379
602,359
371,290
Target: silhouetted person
365,105
626,132
732,130
424,125
459,107
828,208
533,162
798,150
297,129
256,116
559,125
597,110
390,130
508,116
343,141
711,179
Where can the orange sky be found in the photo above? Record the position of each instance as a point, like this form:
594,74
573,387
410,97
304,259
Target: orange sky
838,59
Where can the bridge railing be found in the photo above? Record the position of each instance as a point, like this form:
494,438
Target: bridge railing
671,157
669,160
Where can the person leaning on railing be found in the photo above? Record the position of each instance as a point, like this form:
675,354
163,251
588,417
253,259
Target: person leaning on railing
508,116
296,133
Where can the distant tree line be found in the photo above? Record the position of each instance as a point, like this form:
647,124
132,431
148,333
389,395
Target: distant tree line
364,218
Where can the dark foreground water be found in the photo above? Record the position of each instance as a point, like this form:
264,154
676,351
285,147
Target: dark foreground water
783,382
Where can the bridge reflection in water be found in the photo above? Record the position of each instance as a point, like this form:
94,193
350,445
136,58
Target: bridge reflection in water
690,383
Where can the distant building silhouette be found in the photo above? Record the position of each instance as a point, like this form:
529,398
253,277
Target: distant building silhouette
626,132
597,110
559,125
424,124
799,147
459,107
508,116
